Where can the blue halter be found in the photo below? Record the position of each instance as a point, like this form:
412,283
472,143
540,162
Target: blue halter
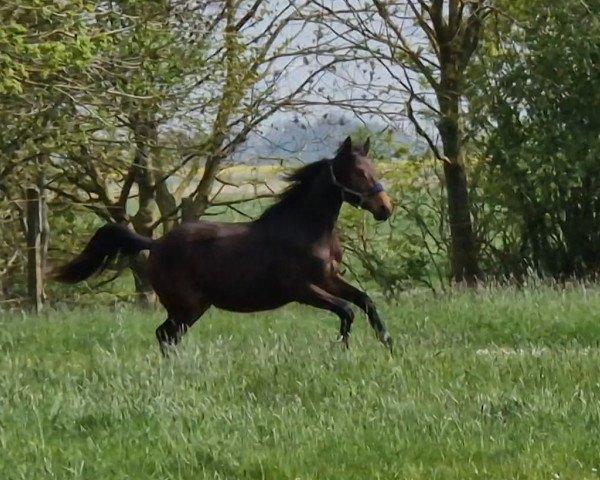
374,190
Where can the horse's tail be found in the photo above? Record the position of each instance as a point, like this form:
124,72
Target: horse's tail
107,243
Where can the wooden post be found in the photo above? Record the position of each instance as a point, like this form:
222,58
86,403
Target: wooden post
34,249
44,232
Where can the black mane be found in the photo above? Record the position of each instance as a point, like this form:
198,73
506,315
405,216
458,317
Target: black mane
300,181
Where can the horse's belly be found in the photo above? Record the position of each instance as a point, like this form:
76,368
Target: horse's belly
245,297
247,289
247,307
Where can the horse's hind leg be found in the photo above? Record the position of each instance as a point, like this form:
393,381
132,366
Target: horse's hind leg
169,333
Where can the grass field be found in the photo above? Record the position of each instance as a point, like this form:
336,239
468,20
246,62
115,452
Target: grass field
499,385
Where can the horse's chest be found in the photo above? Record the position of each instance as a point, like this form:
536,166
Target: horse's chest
328,259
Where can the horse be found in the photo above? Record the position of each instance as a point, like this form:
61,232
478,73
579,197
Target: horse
291,253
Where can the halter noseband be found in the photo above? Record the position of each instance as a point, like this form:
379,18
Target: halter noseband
374,190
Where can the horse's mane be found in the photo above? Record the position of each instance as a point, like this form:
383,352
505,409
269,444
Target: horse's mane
300,181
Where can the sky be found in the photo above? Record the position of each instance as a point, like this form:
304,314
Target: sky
366,85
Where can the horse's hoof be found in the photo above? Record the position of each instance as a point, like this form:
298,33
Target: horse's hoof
341,340
387,341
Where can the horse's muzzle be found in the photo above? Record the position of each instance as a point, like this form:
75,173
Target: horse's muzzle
381,206
382,213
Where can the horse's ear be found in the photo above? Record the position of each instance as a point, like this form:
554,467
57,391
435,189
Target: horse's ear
345,151
367,145
344,154
346,146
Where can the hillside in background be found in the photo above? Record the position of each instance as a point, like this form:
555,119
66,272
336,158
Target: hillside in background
307,140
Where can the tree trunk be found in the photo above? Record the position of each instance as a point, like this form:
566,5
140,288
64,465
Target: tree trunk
201,200
464,254
139,267
230,101
143,289
143,221
167,206
187,210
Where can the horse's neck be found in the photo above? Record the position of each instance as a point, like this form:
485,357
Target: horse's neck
313,218
321,208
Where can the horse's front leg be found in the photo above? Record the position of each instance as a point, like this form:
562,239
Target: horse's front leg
340,288
317,297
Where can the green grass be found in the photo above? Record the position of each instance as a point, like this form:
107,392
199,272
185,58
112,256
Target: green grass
499,385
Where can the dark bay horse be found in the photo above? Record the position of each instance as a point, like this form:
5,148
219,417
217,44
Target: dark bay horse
290,254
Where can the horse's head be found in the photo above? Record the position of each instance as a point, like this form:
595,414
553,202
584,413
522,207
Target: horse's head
353,172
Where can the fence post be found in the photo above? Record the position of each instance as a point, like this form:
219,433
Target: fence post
34,249
44,232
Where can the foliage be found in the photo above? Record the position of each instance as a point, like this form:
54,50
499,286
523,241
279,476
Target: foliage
411,249
413,55
47,51
501,375
132,109
119,104
538,124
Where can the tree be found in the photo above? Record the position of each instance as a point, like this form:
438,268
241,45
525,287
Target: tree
47,50
423,48
536,119
177,88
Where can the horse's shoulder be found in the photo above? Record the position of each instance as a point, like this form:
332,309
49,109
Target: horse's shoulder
336,247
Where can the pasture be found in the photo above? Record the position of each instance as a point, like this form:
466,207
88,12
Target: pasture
499,385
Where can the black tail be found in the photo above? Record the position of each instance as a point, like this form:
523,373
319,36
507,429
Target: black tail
107,243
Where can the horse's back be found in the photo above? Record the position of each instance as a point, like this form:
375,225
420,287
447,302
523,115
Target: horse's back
200,231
